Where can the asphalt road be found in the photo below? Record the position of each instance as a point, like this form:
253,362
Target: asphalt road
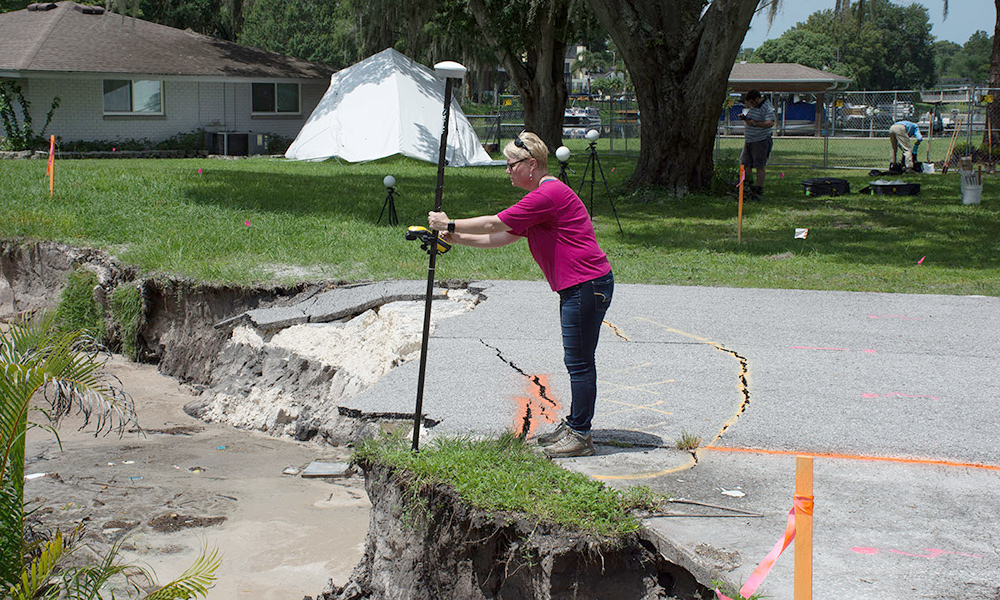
894,396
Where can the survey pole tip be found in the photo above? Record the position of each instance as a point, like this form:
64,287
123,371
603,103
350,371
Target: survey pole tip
450,70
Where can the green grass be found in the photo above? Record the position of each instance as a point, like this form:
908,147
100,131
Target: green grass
504,475
688,441
267,220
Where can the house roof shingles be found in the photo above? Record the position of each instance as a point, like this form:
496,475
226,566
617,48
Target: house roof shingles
66,40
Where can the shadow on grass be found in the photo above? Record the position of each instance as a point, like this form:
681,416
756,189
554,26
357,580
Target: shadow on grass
349,192
862,229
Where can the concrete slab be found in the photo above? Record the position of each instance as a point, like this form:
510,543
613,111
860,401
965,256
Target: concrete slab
893,394
339,303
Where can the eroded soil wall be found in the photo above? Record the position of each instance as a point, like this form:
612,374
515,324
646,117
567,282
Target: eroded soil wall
432,546
180,326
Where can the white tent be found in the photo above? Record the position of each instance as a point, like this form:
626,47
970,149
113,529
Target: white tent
386,104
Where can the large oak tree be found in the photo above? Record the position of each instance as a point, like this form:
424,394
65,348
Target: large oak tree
679,54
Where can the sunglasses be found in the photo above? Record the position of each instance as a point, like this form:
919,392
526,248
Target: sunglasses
520,144
510,165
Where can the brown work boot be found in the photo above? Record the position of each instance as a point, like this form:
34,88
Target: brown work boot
572,443
547,439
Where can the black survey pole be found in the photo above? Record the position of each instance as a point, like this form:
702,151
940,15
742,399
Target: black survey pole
451,71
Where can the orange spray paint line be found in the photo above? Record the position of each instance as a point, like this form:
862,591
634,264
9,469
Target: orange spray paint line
860,457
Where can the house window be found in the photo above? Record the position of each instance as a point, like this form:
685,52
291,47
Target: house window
275,98
133,96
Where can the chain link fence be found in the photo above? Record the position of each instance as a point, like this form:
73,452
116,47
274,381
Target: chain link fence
849,130
616,119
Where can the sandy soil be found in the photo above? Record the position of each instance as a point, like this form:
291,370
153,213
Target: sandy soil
187,484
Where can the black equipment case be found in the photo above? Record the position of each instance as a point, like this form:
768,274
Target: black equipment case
893,188
826,186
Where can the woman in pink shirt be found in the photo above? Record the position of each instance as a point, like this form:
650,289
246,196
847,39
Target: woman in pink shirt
561,239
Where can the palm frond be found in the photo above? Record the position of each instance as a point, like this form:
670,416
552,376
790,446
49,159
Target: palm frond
85,583
68,365
193,583
36,576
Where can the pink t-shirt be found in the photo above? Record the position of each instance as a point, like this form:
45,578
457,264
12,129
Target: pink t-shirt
560,234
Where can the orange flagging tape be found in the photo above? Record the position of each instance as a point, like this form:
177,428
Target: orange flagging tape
51,171
802,504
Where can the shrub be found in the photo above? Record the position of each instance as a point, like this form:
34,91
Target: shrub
20,135
126,310
78,310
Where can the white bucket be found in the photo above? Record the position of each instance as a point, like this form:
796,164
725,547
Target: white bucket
972,194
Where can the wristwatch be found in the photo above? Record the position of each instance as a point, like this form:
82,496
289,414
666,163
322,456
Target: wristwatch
451,227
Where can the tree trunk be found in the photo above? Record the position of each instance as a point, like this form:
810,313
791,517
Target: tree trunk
543,92
538,73
679,57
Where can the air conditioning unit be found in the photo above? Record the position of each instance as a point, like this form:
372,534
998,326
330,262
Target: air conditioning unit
258,143
228,143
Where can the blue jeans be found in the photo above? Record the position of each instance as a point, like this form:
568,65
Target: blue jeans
581,309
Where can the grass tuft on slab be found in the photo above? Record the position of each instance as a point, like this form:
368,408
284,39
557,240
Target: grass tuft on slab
504,475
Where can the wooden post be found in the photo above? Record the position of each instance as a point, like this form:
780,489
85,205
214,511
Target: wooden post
803,527
739,220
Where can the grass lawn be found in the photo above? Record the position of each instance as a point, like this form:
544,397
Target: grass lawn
266,220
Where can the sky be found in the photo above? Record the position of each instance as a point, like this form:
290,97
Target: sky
965,17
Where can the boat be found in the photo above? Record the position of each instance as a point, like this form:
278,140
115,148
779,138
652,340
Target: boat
577,120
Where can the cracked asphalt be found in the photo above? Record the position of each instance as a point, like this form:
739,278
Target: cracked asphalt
895,396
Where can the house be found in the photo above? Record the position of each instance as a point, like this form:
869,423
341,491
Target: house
122,78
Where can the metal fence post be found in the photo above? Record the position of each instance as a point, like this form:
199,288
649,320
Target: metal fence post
972,116
826,149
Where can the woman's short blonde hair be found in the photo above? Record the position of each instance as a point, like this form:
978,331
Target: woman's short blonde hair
534,148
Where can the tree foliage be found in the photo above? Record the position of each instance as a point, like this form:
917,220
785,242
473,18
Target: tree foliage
201,16
878,44
944,59
973,62
527,37
313,30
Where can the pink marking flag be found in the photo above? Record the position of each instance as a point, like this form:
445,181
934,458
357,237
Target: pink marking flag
800,504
